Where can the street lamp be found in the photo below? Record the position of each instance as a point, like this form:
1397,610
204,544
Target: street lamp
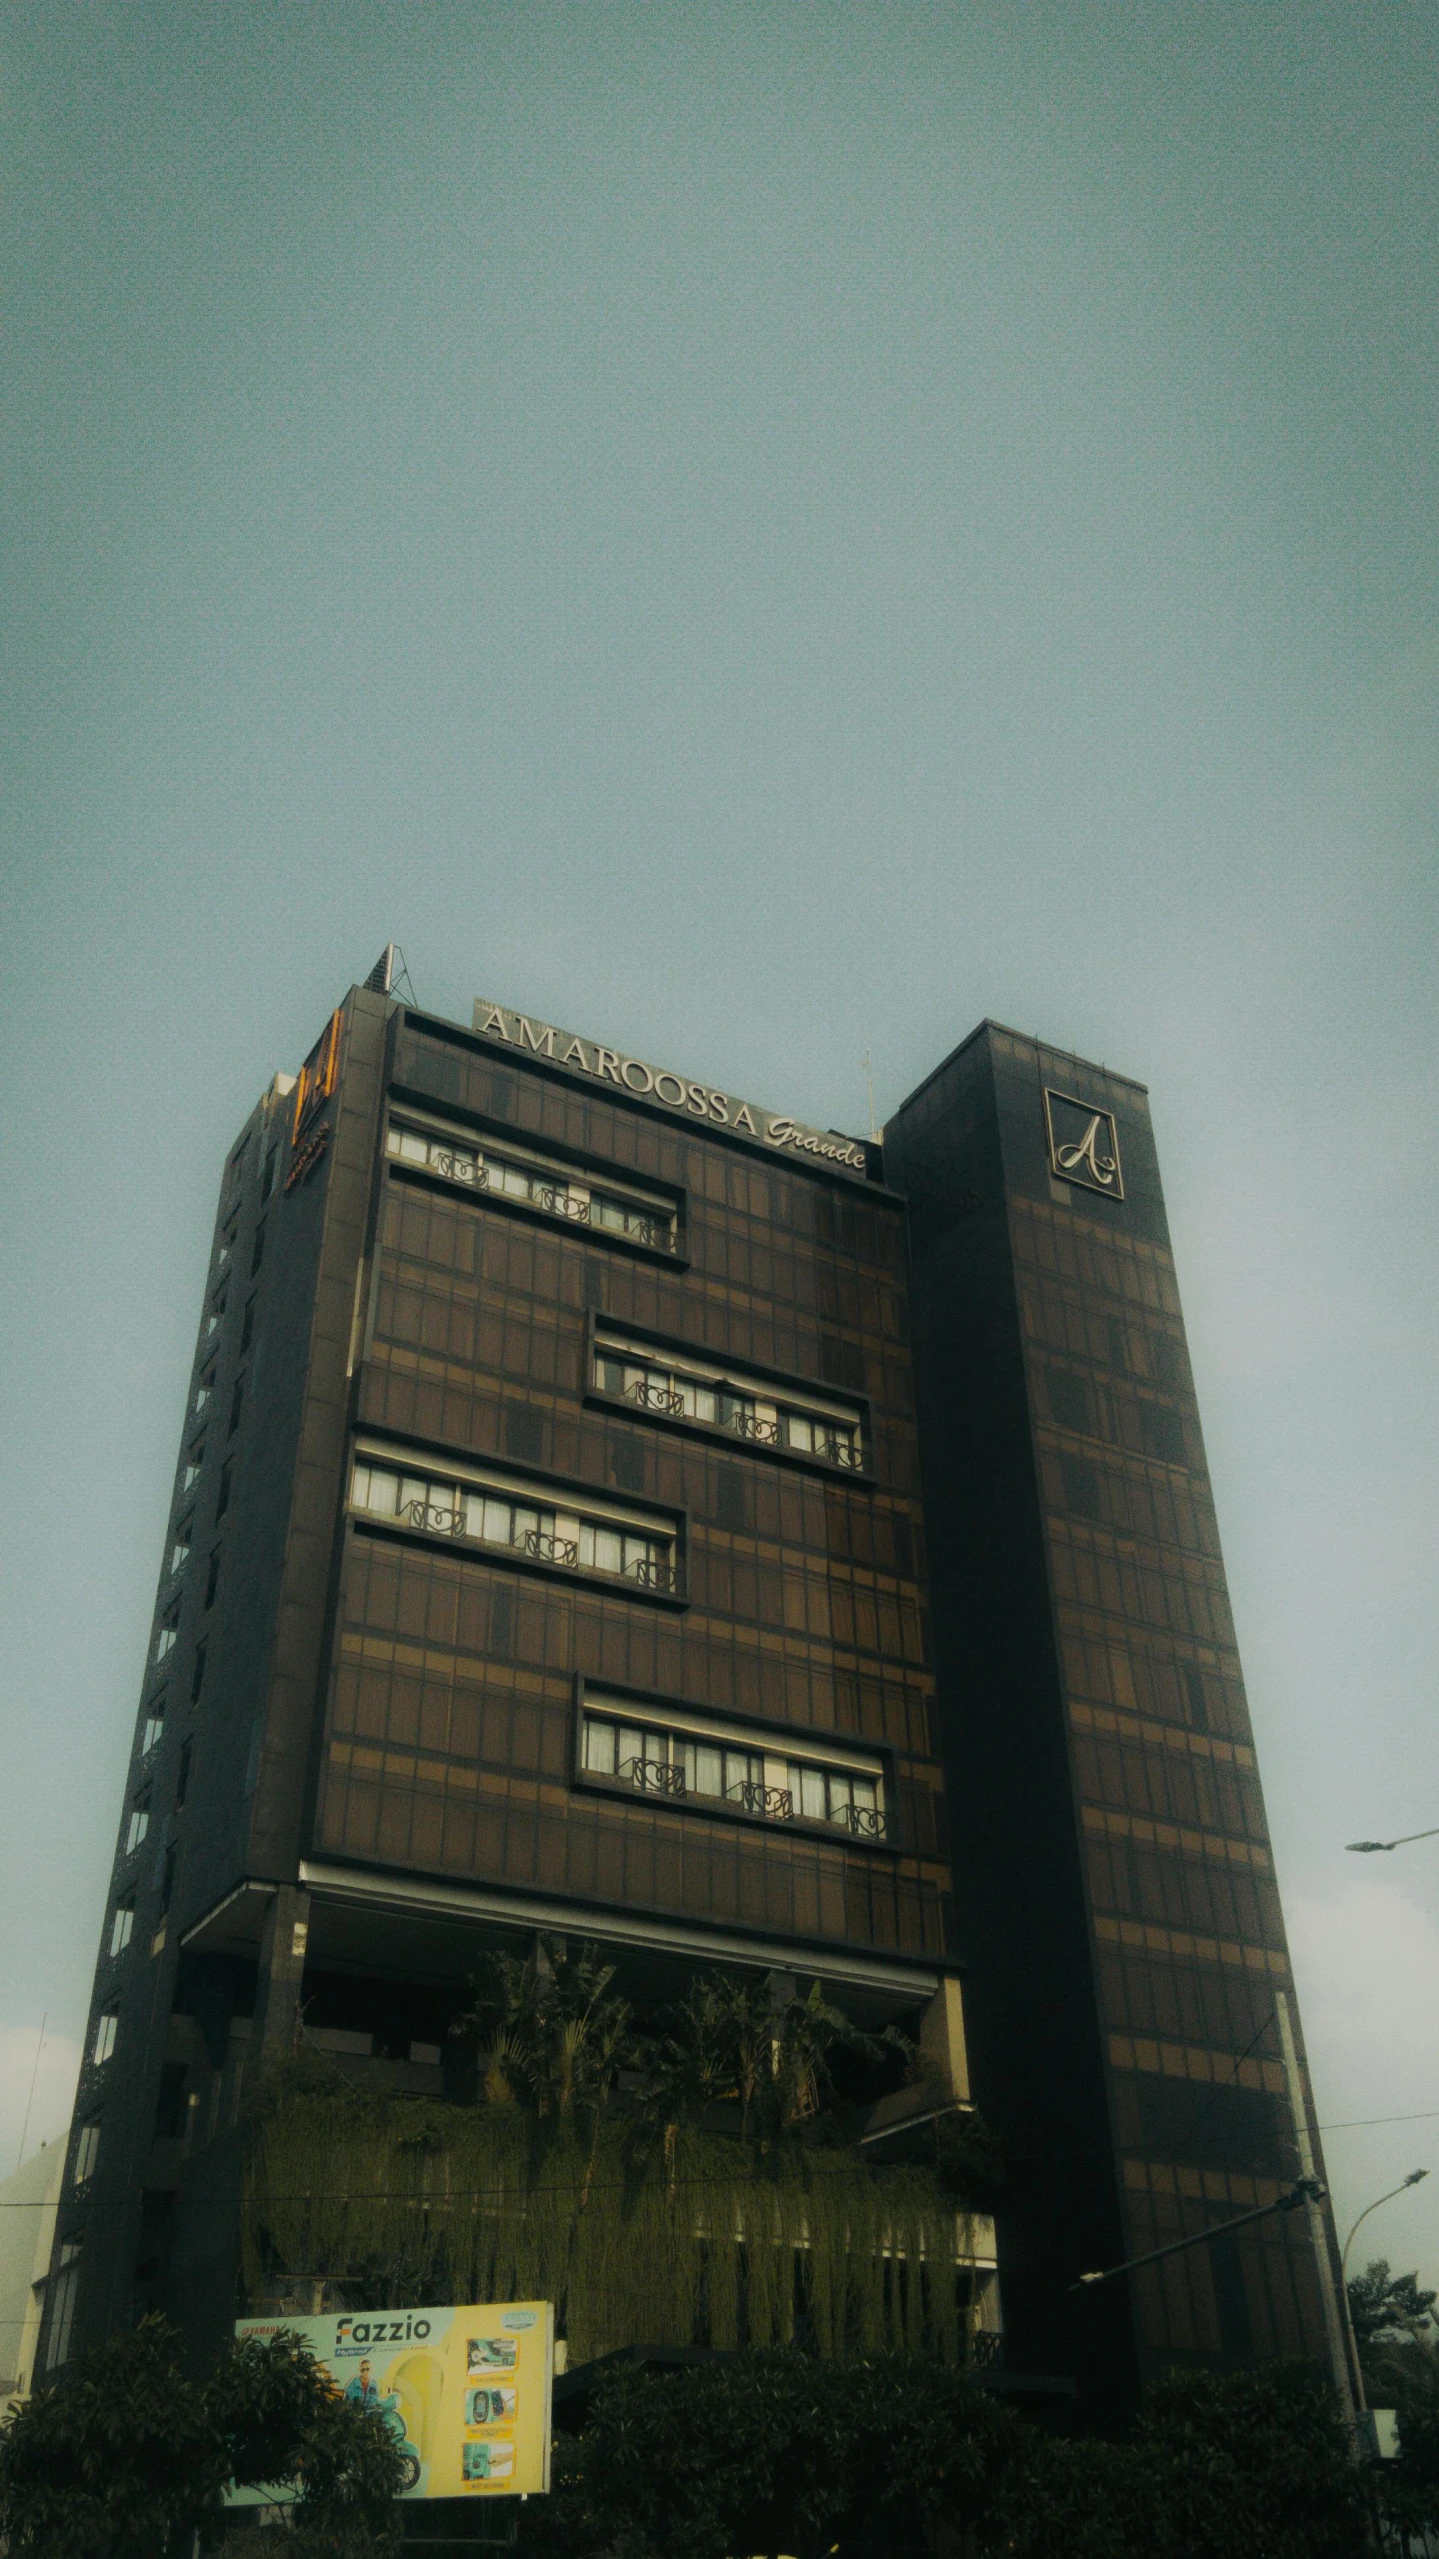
1367,1848
1414,2178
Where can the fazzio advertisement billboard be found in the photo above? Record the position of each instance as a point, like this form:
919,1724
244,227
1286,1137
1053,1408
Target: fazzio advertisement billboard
464,2391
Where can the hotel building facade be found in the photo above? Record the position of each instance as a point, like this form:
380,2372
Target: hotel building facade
609,1509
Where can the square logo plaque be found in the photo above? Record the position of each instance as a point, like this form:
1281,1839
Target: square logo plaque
1083,1144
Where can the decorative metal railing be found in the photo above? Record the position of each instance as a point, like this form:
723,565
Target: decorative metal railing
551,1550
654,1776
652,1572
746,1425
553,1197
460,1168
654,1398
445,1520
776,1803
866,1821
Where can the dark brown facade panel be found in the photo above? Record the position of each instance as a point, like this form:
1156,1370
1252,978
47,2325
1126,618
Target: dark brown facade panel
1194,1894
1140,1586
1142,1504
1251,2298
1129,1667
1168,1785
1204,2004
1127,1269
441,1819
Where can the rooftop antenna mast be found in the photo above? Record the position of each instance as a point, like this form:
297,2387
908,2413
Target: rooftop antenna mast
390,973
869,1088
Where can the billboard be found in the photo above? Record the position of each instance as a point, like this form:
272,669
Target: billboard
464,2391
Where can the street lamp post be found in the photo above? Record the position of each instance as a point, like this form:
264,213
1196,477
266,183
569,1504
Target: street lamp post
1372,1847
1414,2178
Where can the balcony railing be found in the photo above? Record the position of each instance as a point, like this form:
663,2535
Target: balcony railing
865,1821
443,1519
750,1426
654,1776
774,1803
554,1197
653,1395
446,1521
654,1398
460,1168
652,1572
551,1550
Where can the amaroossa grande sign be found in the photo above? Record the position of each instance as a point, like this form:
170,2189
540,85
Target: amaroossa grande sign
676,1092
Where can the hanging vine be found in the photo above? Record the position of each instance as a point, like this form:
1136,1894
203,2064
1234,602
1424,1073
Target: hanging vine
641,2221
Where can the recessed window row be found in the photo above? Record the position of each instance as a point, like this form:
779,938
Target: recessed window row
508,1521
745,1773
552,1188
684,1389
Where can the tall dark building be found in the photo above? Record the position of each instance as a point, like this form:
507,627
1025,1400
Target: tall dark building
610,1509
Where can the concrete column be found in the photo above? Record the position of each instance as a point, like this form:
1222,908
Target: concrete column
941,2039
282,1964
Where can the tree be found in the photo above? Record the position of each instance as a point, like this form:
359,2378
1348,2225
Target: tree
1379,2300
771,2453
550,2032
783,2453
733,2041
124,2456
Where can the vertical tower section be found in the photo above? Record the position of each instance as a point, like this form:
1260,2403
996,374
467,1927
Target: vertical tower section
216,1785
1117,1908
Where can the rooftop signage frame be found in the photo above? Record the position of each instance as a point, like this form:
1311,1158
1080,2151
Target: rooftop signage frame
770,1132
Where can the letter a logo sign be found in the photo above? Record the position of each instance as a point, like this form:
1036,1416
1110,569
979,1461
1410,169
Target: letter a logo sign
1083,1144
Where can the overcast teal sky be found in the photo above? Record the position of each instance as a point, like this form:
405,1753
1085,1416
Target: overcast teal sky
762,532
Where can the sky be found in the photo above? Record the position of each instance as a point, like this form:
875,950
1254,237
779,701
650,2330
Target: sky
765,533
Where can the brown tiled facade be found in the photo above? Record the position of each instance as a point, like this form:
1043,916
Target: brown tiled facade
981,1583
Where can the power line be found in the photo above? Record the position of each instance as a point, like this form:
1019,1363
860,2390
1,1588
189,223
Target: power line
1363,2123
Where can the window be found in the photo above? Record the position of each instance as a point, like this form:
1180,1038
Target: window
167,1878
258,1254
237,1406
748,1773
767,1416
247,1329
106,2025
235,1171
212,1578
271,1160
197,1676
167,1633
204,1390
194,1460
215,1313
122,1926
153,1726
86,2152
500,1518
62,2308
553,1188
139,1822
227,1242
180,1551
222,1499
182,1779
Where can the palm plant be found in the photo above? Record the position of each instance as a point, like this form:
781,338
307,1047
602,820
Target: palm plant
550,2032
745,2043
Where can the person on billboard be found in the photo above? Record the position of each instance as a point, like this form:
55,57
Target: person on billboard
362,2390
